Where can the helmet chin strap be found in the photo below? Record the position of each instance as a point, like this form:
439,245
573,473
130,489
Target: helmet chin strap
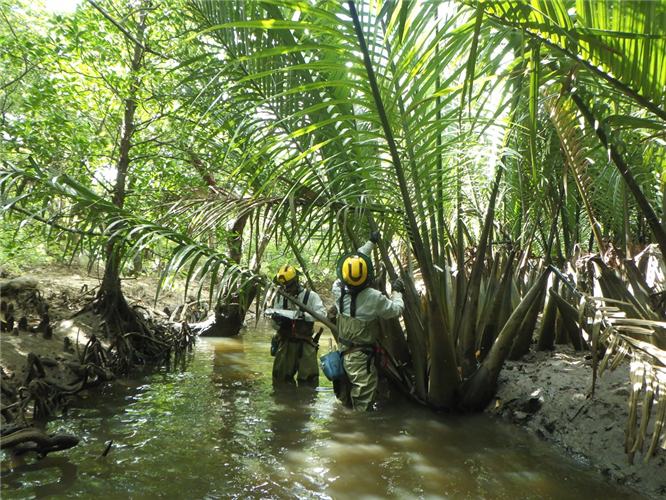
293,289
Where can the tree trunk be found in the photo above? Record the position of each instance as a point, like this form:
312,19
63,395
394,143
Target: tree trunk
444,375
230,311
569,316
109,301
415,325
495,321
521,344
546,337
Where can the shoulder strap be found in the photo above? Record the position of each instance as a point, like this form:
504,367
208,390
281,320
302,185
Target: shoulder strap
341,300
285,301
352,306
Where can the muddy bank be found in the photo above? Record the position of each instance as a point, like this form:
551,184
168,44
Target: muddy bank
549,394
51,351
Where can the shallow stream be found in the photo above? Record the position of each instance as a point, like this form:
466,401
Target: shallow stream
219,430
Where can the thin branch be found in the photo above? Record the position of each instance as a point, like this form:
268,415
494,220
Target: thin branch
123,30
18,78
27,69
53,224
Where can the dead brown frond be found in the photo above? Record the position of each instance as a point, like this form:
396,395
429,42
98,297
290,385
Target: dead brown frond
627,337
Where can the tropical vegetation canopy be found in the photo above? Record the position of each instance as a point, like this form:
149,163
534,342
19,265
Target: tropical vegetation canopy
512,154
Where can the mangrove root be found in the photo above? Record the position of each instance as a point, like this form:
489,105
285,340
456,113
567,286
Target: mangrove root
31,439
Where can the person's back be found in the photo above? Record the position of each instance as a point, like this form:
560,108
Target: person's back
359,309
296,353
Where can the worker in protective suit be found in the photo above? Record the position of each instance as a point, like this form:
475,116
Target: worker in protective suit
359,308
296,353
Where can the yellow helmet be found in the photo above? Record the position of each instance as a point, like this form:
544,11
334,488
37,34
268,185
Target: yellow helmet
355,269
286,274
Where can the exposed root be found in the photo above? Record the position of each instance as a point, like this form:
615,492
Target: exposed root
131,337
30,439
136,337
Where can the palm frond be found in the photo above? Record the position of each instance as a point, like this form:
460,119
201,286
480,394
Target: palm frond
611,43
647,373
131,231
571,139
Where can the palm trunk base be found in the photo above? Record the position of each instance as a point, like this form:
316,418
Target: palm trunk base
227,322
477,391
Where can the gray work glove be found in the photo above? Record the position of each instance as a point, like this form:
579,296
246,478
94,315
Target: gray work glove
398,285
375,235
278,318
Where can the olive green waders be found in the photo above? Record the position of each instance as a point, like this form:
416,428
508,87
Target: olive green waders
296,355
360,386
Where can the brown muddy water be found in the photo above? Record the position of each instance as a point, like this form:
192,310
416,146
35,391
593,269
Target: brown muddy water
219,430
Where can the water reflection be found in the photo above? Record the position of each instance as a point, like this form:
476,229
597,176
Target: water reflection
57,475
221,430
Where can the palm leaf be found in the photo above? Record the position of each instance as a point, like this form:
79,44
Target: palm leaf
619,43
647,373
571,140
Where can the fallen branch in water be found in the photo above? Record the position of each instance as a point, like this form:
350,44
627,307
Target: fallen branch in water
30,439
